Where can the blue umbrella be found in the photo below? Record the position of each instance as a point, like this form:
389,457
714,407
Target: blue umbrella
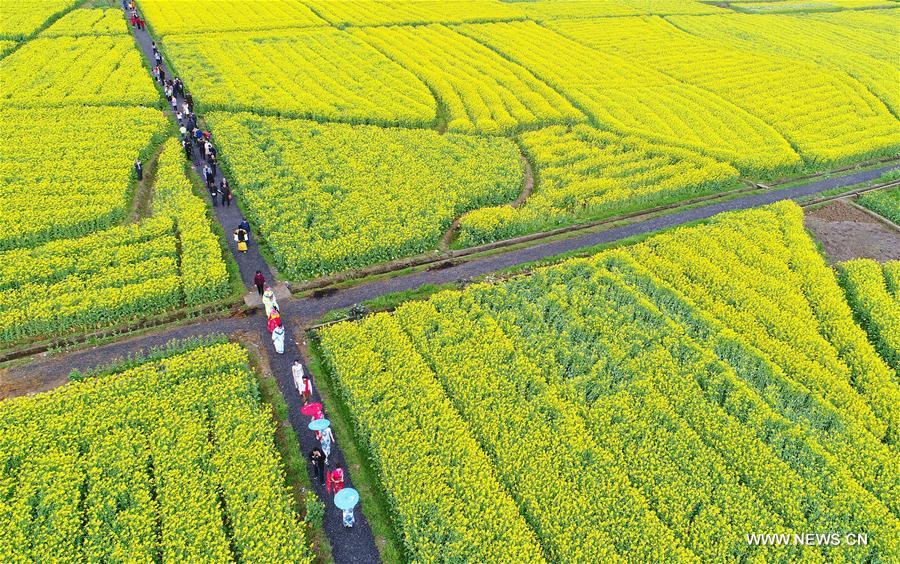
347,498
319,425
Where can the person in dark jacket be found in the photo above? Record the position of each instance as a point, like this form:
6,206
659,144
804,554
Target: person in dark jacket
260,282
188,150
139,169
225,192
190,100
317,458
245,225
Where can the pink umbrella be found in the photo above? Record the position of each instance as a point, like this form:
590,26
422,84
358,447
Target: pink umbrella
311,409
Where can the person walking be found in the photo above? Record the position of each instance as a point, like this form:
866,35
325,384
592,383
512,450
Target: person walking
317,459
335,480
189,100
241,238
274,320
245,225
269,301
225,190
326,439
302,381
278,342
208,176
260,282
139,169
157,57
214,193
188,150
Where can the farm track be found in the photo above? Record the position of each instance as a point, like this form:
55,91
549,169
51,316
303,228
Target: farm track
358,544
56,368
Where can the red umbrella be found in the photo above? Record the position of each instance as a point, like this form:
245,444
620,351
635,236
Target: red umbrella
311,408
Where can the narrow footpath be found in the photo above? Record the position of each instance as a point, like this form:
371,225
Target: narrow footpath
355,544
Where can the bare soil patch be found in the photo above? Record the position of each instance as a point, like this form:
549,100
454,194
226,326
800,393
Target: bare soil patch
847,233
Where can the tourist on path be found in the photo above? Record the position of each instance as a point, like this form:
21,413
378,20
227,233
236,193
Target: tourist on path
278,341
241,236
269,301
188,150
335,480
225,190
245,225
301,380
208,176
317,458
260,282
274,320
326,439
214,193
139,169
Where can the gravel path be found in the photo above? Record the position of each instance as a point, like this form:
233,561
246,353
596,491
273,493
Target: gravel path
355,544
310,309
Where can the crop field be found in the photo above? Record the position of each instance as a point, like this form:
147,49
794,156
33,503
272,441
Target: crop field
76,71
88,22
574,281
77,107
677,406
22,18
884,202
776,97
147,464
825,115
319,190
324,73
587,173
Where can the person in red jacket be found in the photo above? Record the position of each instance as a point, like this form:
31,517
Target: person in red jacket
274,320
335,480
260,282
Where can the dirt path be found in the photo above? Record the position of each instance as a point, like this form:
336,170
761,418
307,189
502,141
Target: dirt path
310,309
527,189
355,544
54,369
847,233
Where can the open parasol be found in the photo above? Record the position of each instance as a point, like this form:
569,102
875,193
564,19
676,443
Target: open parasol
319,425
347,498
311,408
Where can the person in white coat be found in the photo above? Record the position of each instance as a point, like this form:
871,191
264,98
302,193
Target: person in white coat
301,380
278,339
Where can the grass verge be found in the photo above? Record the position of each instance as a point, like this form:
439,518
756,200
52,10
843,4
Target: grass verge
388,302
375,505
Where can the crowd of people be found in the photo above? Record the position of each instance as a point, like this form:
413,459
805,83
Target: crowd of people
194,139
333,479
137,20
